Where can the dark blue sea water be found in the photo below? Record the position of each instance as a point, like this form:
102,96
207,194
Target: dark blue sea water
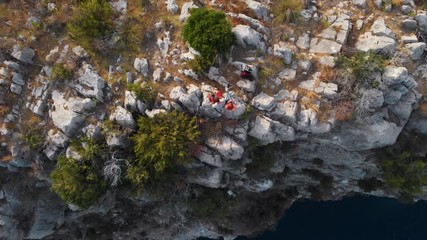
355,218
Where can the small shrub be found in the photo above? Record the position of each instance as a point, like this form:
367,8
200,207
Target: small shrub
161,143
80,181
405,174
208,31
131,35
143,91
60,72
286,11
33,137
92,20
199,64
362,65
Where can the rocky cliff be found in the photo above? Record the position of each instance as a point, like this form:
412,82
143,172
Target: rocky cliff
305,127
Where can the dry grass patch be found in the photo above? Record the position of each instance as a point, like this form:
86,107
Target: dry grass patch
344,110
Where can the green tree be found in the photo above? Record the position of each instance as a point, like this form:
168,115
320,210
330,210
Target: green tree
161,143
79,181
208,31
33,137
60,72
405,174
93,19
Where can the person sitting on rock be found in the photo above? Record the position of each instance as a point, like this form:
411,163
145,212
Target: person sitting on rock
215,97
229,105
246,73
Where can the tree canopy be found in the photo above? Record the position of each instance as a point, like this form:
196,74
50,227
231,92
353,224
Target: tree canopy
208,31
79,181
160,143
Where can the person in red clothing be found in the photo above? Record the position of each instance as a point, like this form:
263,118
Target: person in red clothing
229,105
246,73
215,97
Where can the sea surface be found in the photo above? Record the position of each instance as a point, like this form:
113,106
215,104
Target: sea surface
354,218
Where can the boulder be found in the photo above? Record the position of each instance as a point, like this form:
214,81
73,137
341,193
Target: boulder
378,44
215,75
91,84
185,10
226,146
25,55
57,138
154,112
133,103
171,6
80,52
338,31
263,102
415,50
123,117
380,29
18,79
285,110
208,156
164,43
157,74
371,99
359,3
392,97
141,65
406,9
120,6
422,21
283,52
246,85
288,74
16,89
268,131
207,177
368,133
286,95
259,186
239,131
329,90
324,46
247,37
304,41
261,10
404,107
190,98
409,24
394,75
409,39
68,115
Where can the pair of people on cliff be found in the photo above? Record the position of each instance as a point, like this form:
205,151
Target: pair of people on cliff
230,105
218,96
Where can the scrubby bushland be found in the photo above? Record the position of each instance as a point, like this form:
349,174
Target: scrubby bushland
161,143
143,91
32,137
405,173
79,181
209,32
60,72
92,20
362,65
286,11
